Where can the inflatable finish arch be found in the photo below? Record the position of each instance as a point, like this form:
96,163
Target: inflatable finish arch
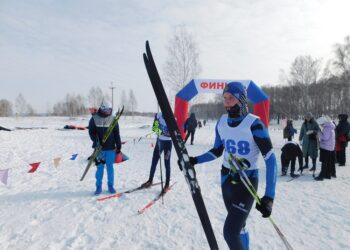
255,94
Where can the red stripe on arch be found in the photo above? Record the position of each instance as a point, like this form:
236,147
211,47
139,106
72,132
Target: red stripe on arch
181,109
262,109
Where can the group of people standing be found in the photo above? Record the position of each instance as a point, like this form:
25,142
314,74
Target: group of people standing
317,137
238,133
243,135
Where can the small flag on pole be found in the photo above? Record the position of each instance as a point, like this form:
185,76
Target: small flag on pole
73,157
4,174
34,167
56,161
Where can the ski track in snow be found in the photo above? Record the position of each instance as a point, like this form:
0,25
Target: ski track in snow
52,209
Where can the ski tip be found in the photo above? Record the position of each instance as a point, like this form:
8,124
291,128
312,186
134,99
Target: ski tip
148,49
145,58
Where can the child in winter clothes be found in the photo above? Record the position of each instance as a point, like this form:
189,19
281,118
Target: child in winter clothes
289,130
98,126
290,151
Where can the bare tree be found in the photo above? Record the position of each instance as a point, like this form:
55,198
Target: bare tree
72,105
132,102
5,108
95,97
342,58
305,71
182,64
123,100
20,104
22,107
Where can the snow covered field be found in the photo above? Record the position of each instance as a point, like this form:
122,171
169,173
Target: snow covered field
52,209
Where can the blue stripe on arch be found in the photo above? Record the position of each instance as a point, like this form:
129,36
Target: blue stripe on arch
255,93
188,92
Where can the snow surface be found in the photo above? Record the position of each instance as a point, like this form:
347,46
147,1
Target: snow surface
52,209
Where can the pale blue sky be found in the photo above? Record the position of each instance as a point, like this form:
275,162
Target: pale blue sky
54,47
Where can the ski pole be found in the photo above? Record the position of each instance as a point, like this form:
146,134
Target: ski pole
160,166
146,135
239,169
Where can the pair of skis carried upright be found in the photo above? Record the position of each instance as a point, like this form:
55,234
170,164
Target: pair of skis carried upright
179,145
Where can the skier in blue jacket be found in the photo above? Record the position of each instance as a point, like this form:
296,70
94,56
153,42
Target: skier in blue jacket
98,126
245,136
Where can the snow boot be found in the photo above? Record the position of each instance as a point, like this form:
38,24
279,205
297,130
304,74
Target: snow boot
319,178
284,170
147,184
294,175
111,189
98,190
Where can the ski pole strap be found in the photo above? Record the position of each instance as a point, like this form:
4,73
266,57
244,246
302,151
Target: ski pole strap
243,163
238,166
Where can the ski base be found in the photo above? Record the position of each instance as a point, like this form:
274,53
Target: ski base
157,198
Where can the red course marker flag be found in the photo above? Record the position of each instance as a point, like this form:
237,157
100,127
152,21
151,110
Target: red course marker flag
34,167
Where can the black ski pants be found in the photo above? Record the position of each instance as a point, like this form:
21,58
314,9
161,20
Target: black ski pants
238,202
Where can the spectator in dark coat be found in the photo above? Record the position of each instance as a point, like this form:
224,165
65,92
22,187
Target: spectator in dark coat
309,140
342,137
190,126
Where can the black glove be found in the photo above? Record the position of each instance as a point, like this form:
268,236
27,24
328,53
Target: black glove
193,160
179,163
265,206
99,161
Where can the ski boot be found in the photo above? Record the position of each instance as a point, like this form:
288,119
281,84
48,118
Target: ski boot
165,189
147,184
